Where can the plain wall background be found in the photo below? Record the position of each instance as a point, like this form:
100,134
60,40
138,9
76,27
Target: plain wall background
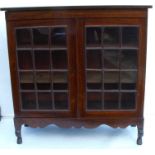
47,138
5,83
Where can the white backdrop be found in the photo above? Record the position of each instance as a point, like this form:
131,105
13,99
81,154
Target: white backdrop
5,85
52,137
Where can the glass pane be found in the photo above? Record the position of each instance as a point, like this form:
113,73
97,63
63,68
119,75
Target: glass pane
111,59
43,80
26,80
94,100
61,101
128,80
58,37
45,100
93,36
28,100
60,81
94,80
128,100
40,36
59,59
130,36
94,59
25,59
111,80
111,100
111,36
42,59
129,59
23,37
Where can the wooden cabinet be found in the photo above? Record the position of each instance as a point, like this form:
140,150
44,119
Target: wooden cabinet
78,66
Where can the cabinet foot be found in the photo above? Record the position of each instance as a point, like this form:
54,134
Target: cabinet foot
19,140
18,135
18,126
139,140
140,135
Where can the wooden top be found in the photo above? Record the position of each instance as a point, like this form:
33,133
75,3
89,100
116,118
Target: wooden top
119,7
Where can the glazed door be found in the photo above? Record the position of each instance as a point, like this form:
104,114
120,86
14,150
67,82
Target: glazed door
111,67
43,66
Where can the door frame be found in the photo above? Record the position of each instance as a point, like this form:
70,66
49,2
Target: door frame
14,71
138,111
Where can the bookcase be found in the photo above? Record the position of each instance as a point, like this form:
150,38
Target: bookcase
78,66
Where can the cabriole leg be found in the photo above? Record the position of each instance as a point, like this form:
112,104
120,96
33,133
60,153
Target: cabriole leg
18,126
140,134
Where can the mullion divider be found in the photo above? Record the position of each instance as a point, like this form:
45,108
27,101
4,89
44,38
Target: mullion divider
102,61
34,71
51,72
85,66
119,60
